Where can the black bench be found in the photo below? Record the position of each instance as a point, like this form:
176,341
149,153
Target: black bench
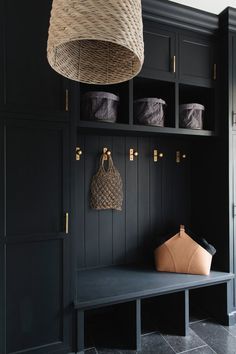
107,286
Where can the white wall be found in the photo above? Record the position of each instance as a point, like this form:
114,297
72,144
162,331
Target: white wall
214,6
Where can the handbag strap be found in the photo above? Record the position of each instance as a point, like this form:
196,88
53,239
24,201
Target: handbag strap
103,158
181,231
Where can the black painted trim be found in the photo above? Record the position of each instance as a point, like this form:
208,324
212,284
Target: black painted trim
180,16
228,19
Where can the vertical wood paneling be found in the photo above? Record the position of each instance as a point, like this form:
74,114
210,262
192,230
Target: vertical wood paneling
105,217
181,191
131,202
80,211
119,235
156,199
145,154
168,186
155,196
91,216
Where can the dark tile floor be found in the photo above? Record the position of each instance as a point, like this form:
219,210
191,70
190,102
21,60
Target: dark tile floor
206,336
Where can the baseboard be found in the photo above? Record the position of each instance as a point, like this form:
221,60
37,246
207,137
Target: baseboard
231,318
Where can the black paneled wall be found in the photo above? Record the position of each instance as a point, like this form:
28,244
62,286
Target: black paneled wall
156,199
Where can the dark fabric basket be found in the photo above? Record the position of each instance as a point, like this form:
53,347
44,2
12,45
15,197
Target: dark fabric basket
191,116
100,106
149,111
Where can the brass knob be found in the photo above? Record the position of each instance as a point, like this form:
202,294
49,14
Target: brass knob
108,153
161,154
136,153
80,152
184,156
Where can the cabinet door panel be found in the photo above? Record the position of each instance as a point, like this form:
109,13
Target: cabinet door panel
31,84
234,219
233,78
159,51
34,295
37,247
196,60
1,53
34,174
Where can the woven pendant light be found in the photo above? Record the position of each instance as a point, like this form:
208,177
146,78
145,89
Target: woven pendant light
96,41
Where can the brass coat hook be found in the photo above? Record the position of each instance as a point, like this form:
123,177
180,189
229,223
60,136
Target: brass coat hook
106,153
180,156
78,153
157,155
132,154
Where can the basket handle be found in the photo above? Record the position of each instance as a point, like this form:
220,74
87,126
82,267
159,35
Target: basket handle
103,158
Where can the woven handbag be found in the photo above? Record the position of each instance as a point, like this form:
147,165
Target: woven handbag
106,187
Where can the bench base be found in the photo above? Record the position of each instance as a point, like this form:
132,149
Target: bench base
140,297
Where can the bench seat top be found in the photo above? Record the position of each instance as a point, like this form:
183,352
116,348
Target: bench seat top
110,285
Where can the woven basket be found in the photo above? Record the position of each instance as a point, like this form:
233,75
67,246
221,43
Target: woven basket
96,41
106,187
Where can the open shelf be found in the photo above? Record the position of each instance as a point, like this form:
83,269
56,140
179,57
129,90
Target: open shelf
203,96
172,93
145,88
120,90
142,129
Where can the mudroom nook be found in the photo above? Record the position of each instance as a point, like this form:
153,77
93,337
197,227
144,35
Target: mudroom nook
117,141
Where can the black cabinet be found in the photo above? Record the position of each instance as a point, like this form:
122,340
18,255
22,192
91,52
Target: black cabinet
185,56
233,79
197,62
29,83
36,237
160,53
2,75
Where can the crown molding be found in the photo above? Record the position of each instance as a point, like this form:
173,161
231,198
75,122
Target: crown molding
180,16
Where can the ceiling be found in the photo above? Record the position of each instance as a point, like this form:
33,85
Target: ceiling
213,6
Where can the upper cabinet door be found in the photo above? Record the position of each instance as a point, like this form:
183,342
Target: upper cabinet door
233,79
196,60
30,83
160,54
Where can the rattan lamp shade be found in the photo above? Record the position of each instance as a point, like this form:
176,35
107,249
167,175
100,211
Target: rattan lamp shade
96,41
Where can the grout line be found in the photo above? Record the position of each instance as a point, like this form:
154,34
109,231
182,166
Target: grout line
147,334
228,331
190,350
168,343
197,321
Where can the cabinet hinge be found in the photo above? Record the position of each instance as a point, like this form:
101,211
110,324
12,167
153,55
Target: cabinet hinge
234,119
173,64
67,223
234,210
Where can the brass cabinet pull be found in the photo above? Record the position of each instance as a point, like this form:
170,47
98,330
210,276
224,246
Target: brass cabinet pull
67,101
67,223
214,71
174,64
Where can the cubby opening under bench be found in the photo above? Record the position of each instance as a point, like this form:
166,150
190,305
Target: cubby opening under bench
131,293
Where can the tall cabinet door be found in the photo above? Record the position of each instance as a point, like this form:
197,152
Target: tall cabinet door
1,54
2,246
232,97
36,237
30,83
233,244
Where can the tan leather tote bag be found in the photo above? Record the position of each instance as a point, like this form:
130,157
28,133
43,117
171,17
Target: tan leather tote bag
181,254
